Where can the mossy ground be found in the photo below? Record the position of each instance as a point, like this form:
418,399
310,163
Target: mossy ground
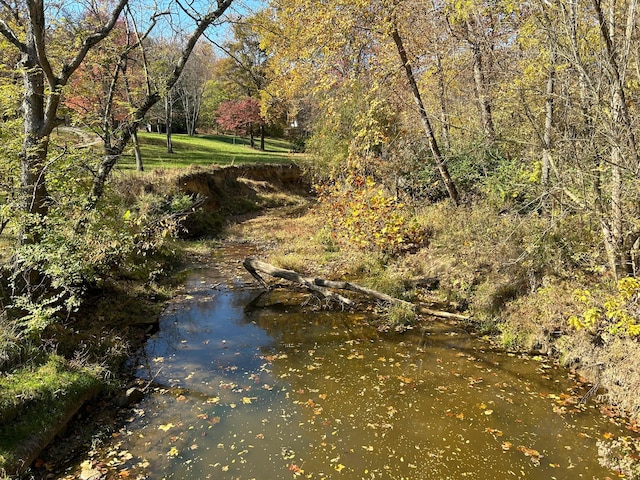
34,401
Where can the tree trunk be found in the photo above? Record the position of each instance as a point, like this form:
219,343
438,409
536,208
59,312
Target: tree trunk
323,287
426,123
482,92
617,240
186,107
168,120
616,67
136,150
442,98
262,137
546,135
35,145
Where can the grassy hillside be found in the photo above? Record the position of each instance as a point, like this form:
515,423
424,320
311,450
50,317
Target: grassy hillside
204,150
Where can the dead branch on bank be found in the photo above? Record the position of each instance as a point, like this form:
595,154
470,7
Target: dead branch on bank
322,287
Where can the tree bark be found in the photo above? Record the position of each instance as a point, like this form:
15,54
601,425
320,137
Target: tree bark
136,150
262,137
442,98
482,91
426,123
168,120
547,132
617,241
616,67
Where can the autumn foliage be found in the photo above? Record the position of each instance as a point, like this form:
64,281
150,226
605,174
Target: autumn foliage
98,92
364,215
239,116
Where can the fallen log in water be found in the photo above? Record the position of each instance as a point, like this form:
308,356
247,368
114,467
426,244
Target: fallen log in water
323,287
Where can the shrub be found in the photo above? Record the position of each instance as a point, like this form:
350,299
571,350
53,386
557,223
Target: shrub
363,215
617,314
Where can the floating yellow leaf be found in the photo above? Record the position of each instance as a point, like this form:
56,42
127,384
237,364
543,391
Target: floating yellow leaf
339,467
488,412
368,448
166,426
173,452
246,400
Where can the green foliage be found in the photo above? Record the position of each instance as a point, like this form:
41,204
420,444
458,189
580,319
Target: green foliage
78,250
13,349
618,314
400,314
363,215
10,144
512,183
213,95
328,146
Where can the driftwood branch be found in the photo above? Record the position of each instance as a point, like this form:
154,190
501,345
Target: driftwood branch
323,287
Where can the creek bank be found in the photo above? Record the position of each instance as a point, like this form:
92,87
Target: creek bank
271,230
125,311
333,374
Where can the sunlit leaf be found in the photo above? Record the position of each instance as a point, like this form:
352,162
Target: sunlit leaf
166,426
173,452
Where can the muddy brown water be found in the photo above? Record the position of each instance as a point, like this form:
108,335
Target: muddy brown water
256,386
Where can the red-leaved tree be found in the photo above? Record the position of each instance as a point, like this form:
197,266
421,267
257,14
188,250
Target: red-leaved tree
240,116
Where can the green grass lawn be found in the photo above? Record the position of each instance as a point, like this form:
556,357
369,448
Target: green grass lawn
204,150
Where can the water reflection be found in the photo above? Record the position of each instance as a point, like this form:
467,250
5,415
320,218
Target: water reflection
253,386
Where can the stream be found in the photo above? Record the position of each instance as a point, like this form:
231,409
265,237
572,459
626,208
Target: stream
251,385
